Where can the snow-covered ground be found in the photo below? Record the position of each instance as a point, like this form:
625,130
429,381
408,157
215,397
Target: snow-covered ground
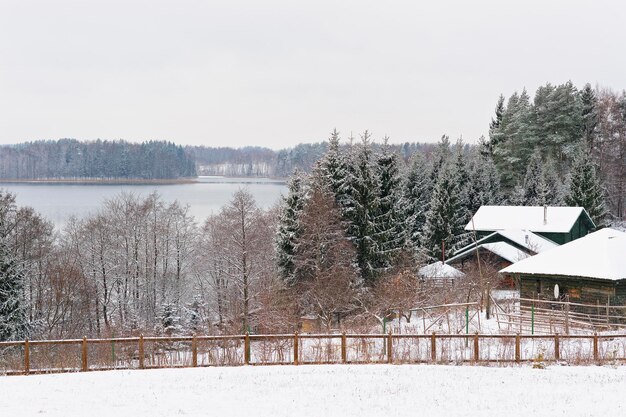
322,390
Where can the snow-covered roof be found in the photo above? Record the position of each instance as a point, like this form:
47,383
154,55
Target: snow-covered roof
505,251
528,240
439,270
502,249
558,219
524,238
600,255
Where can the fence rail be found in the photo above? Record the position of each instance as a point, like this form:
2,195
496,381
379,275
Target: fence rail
72,355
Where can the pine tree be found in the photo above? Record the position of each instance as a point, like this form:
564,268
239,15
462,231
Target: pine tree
415,199
289,227
513,139
13,319
589,115
556,124
585,189
388,219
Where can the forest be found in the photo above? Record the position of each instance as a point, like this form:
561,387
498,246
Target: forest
105,160
343,245
73,159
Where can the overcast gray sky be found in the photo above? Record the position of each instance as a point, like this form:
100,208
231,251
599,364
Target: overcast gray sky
276,73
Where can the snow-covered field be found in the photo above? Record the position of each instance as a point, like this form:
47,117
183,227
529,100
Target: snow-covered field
322,390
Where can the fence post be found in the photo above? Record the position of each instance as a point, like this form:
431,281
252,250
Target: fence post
595,347
295,348
557,350
488,309
26,357
246,348
85,367
344,355
518,349
476,352
389,348
567,315
141,352
433,348
194,351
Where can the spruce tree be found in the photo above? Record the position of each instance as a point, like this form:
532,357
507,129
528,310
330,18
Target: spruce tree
495,134
585,189
169,320
440,159
535,190
484,188
444,220
554,193
360,204
13,318
462,179
388,219
415,199
330,171
289,227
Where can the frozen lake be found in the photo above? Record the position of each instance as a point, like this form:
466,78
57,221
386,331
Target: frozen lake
59,201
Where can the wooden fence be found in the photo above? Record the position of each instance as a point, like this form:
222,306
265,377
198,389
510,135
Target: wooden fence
525,315
47,356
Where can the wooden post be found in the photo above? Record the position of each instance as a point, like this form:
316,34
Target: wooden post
194,351
488,310
518,349
344,355
433,348
476,346
141,353
246,349
296,348
85,367
389,348
567,315
26,357
595,347
557,350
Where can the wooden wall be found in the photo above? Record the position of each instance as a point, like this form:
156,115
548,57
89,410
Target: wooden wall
579,290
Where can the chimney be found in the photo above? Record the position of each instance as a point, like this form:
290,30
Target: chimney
545,214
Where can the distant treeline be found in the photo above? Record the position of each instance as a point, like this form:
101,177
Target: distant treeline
264,162
104,159
70,158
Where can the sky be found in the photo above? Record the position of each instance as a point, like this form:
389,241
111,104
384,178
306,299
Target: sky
277,73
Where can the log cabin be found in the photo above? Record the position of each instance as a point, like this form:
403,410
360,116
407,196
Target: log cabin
589,270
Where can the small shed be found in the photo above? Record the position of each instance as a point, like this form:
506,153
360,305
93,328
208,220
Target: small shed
589,270
439,274
310,323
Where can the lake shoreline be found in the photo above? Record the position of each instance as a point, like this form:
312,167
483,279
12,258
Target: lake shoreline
127,181
98,181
